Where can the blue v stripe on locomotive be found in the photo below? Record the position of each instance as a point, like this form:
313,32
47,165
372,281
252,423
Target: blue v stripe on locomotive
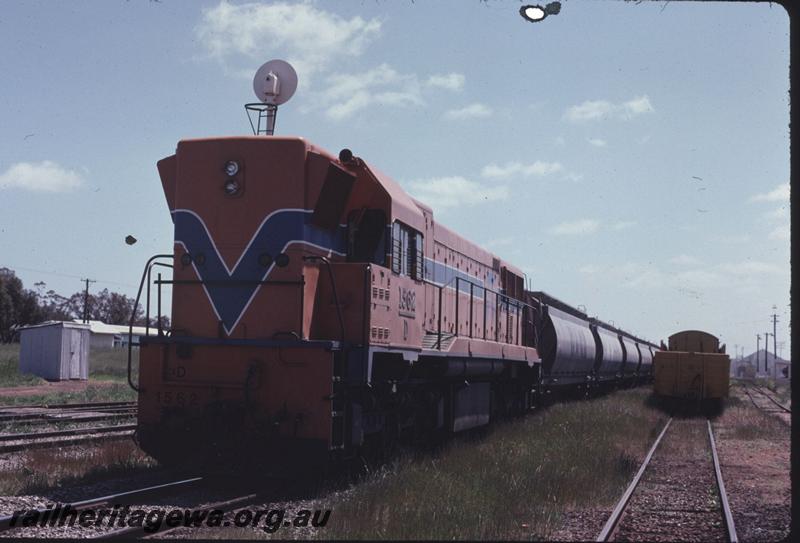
279,230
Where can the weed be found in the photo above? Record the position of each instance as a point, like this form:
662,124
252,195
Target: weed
40,470
10,375
511,484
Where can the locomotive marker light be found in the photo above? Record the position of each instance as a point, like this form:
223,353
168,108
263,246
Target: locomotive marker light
232,187
231,168
274,83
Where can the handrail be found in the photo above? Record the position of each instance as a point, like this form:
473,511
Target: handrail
149,282
327,263
133,313
500,300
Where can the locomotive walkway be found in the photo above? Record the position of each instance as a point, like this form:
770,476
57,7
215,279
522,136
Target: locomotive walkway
678,493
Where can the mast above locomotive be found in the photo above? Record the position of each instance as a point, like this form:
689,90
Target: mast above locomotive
274,84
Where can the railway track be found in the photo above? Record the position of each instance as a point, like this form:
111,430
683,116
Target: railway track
68,413
94,405
9,522
766,402
225,506
60,438
678,494
44,413
112,530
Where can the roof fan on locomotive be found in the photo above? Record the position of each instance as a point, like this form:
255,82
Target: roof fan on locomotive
274,84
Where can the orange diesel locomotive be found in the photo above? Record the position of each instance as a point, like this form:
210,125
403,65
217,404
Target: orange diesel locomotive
316,307
319,312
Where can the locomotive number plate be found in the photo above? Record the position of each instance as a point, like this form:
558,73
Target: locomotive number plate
407,302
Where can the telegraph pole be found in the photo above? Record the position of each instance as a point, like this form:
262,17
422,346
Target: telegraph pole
758,346
86,299
774,330
766,352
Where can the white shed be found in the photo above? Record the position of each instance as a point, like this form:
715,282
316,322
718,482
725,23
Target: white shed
55,350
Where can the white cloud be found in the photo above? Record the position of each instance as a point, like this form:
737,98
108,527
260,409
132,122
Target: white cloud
622,225
538,168
309,37
751,267
700,278
590,269
597,142
778,214
778,194
580,227
592,110
637,106
45,176
748,275
559,141
684,260
499,242
452,81
574,177
454,191
781,233
734,239
589,110
472,111
346,94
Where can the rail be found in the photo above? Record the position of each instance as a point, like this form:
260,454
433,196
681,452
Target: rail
501,300
772,399
726,508
6,521
616,514
614,519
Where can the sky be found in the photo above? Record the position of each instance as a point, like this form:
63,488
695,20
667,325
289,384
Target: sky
632,158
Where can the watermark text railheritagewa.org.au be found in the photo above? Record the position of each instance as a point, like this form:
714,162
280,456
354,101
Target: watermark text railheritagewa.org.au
155,519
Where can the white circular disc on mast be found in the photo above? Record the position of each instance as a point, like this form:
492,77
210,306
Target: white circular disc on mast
275,82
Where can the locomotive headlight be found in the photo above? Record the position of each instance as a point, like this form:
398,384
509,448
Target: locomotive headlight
232,187
231,168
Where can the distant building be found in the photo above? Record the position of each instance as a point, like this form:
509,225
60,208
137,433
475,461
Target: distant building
762,364
110,336
55,350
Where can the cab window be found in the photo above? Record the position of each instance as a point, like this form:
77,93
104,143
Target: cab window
366,234
407,251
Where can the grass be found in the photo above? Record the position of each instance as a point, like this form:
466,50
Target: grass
115,392
742,420
111,364
41,470
104,365
514,483
9,368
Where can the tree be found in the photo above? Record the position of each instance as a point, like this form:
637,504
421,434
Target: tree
18,307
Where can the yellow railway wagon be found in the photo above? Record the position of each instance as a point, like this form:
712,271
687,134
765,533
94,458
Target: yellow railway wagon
693,367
